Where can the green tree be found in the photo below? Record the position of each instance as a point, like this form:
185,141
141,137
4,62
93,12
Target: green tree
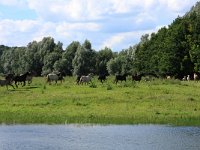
68,55
103,56
84,60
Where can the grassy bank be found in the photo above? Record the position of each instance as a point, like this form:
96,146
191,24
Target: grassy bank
158,102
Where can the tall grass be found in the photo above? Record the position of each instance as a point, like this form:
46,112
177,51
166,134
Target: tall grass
159,101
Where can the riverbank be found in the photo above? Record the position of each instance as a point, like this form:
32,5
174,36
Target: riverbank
156,102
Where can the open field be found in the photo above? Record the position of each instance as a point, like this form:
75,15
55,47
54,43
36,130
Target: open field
156,102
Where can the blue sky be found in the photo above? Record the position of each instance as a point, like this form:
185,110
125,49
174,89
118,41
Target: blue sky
117,24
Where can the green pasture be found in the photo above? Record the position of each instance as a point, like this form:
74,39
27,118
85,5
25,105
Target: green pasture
154,102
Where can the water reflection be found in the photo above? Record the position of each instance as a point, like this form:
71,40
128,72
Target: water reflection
113,137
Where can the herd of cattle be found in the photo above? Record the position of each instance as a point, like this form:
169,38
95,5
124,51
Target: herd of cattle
27,77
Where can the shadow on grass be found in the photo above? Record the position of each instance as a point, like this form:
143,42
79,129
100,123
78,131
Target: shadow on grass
32,87
23,89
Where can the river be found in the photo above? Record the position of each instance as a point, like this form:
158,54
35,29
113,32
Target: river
98,137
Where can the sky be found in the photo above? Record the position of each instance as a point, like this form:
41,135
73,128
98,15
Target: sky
117,24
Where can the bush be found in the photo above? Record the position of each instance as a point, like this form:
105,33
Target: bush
109,87
93,85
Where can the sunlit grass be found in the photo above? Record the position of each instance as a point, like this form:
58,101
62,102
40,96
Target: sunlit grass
159,101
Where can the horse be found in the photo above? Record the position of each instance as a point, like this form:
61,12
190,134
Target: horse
6,82
196,77
78,79
168,77
102,77
21,78
61,79
86,79
120,77
29,79
54,77
138,77
184,78
9,76
188,78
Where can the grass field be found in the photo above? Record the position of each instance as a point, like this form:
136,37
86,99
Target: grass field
157,102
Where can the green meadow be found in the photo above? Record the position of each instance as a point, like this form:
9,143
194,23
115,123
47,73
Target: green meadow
170,102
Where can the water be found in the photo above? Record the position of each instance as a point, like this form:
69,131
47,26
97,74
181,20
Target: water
113,137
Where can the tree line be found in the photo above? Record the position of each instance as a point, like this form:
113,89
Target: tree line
173,50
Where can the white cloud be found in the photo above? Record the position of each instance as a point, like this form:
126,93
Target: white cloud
114,23
123,40
176,5
16,3
82,10
16,33
21,32
144,17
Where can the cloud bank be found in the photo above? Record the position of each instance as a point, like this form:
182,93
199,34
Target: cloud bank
117,24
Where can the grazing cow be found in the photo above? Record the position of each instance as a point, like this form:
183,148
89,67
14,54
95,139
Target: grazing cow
21,78
196,77
6,83
102,77
86,79
120,78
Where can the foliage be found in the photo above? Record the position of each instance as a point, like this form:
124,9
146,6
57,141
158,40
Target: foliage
84,60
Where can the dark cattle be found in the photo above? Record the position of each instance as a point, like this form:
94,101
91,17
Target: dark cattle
21,78
102,77
120,78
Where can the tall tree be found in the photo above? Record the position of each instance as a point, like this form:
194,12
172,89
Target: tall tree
84,60
103,56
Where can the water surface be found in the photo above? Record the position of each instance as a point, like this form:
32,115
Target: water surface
88,137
